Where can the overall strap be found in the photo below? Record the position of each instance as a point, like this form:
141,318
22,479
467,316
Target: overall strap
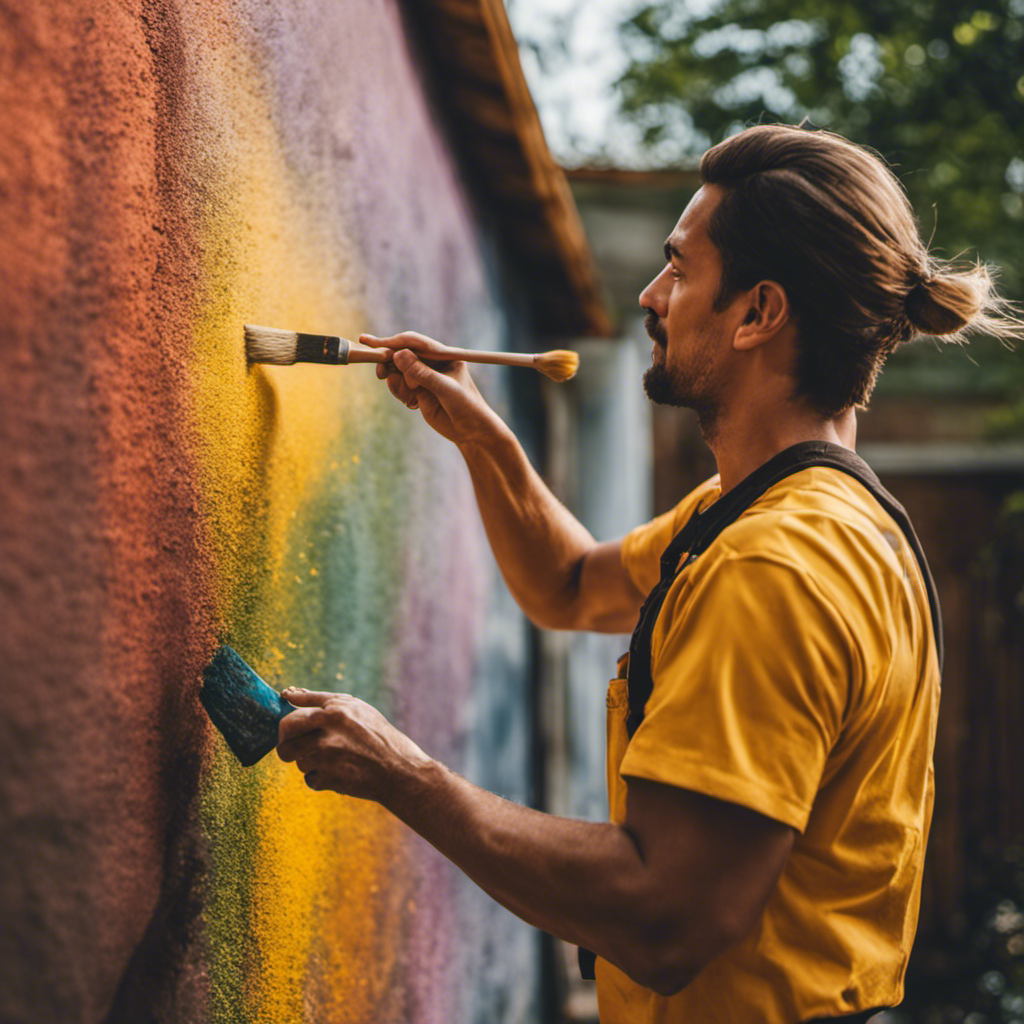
703,527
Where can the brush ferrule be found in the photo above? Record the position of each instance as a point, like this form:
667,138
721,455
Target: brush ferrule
321,348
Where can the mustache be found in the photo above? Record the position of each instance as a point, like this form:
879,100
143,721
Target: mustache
654,327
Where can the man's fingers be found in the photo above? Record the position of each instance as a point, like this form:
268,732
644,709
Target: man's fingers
400,389
418,374
292,748
418,371
406,339
299,722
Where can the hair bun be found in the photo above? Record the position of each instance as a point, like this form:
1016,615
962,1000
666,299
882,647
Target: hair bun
942,305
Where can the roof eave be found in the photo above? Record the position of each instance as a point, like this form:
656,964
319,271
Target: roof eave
474,51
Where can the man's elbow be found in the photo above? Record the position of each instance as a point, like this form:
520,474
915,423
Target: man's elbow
564,609
669,979
596,595
666,963
571,611
667,970
554,615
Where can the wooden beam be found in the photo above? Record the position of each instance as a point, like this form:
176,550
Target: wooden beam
473,45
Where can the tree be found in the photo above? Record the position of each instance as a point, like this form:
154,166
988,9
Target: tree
936,86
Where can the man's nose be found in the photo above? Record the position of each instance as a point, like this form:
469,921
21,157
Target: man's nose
652,297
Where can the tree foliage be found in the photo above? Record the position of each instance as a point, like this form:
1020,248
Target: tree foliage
936,86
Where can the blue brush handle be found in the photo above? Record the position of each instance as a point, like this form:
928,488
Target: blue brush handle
242,706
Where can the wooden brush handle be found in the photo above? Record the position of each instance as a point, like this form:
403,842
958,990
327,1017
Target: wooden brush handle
361,354
494,358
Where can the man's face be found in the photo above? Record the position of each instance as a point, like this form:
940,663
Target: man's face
690,337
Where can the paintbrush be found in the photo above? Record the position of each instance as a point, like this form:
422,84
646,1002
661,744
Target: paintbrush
282,348
242,706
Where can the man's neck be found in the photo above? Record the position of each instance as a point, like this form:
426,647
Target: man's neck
741,445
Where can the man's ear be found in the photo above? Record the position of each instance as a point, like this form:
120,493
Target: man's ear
767,312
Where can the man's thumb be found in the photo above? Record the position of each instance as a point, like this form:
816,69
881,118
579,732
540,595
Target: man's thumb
304,698
416,371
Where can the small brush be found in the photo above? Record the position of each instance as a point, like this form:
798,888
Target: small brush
244,708
282,348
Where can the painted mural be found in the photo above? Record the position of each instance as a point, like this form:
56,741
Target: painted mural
173,169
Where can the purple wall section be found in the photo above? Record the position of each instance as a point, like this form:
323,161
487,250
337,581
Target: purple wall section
173,169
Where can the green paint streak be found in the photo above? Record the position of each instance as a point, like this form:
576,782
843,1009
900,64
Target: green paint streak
341,578
229,807
327,609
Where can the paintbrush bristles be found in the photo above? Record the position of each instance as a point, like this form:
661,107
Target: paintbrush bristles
559,364
270,345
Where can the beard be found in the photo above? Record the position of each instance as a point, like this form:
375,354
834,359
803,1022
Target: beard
664,387
688,387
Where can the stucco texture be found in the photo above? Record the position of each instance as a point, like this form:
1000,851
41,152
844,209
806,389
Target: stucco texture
171,171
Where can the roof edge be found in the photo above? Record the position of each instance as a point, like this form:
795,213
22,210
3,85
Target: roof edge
475,51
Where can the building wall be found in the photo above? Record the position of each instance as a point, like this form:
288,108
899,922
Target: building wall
600,463
172,170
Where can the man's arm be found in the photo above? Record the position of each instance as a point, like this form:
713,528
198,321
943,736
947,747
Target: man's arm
659,897
560,576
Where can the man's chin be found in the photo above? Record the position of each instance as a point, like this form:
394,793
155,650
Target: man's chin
660,387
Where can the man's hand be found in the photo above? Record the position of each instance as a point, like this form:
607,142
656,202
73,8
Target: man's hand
342,743
444,392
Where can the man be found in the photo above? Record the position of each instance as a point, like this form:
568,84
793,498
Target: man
771,789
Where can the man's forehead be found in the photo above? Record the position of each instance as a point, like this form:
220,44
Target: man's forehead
691,232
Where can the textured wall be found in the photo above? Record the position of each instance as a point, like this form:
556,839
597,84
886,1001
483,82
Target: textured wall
171,170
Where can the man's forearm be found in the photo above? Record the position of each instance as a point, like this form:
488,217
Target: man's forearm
570,878
573,878
538,544
658,896
560,577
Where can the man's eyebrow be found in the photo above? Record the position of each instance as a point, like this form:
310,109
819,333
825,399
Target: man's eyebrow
671,249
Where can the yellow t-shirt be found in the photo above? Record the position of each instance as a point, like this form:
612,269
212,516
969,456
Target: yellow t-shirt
795,672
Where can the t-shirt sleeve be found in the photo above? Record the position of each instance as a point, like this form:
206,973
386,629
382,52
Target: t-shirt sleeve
751,682
642,548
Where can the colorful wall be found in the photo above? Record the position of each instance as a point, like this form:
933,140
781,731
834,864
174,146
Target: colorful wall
171,170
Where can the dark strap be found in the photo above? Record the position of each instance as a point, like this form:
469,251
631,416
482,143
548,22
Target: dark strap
588,964
704,527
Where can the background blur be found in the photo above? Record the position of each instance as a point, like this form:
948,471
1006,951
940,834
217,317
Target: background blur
630,95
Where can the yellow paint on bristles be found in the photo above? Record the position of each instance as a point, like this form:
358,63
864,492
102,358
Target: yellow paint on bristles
559,364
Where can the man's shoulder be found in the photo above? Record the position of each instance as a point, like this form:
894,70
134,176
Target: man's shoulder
814,499
825,523
703,495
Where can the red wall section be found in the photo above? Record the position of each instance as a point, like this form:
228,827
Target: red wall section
102,587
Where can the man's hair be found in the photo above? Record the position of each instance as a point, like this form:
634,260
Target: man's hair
829,221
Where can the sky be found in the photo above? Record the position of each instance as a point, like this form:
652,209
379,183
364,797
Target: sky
573,88
571,56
